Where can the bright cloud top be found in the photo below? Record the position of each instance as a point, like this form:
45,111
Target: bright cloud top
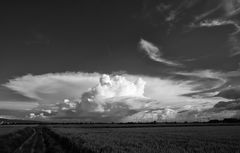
118,86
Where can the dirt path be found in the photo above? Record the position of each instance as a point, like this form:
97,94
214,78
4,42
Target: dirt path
25,145
39,142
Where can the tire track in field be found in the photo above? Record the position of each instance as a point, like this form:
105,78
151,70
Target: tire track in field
43,140
22,148
38,145
34,144
40,142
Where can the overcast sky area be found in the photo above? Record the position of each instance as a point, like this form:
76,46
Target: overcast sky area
120,61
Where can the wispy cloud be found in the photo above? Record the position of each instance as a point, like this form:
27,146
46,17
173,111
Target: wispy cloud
215,23
18,105
234,36
231,7
154,53
207,13
235,42
205,74
215,83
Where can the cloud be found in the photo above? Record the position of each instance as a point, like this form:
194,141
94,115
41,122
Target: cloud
106,98
116,99
203,74
14,114
52,88
230,93
228,11
230,105
235,42
55,87
154,53
213,83
209,79
37,116
222,76
161,115
118,86
18,105
217,22
207,13
231,7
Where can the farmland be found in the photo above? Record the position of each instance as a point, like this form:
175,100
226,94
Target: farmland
9,129
120,139
219,139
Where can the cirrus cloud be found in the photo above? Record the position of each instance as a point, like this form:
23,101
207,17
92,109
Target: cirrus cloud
154,53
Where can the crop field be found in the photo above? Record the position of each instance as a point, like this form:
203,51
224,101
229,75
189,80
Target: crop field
9,129
206,139
120,139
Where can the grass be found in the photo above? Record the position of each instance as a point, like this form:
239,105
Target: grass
53,139
9,129
207,139
9,142
121,139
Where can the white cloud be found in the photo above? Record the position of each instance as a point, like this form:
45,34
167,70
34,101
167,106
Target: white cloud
215,23
37,116
97,97
118,86
154,53
53,87
206,79
161,115
211,23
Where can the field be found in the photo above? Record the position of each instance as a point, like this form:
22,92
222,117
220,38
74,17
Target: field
120,139
9,129
206,139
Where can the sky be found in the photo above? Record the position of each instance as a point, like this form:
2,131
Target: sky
120,61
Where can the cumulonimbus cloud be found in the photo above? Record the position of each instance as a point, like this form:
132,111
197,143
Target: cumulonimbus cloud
54,87
102,97
154,53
